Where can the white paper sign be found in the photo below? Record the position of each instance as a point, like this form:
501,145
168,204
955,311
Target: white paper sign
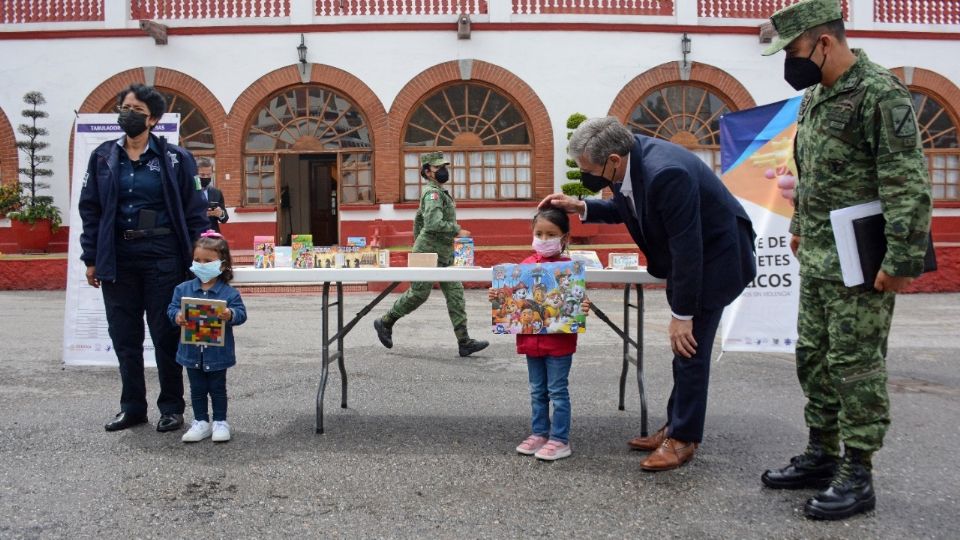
86,341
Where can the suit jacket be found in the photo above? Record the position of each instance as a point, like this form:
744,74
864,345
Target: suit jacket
214,195
693,231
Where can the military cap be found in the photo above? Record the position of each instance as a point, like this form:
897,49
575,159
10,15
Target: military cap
792,21
433,158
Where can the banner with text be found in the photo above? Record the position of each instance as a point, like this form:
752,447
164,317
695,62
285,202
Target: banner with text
85,338
756,147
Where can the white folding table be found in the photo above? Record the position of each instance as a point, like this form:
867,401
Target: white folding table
630,279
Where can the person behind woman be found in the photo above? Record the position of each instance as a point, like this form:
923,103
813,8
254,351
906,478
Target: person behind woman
549,356
141,210
207,366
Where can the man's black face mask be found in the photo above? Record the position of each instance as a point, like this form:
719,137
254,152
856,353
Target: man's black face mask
801,73
594,182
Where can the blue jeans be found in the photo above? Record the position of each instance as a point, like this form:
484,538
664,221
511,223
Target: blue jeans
548,382
212,383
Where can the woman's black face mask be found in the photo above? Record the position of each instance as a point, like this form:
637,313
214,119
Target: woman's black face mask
442,175
594,182
132,123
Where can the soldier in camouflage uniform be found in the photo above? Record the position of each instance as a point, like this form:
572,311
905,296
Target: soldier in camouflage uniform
434,229
857,141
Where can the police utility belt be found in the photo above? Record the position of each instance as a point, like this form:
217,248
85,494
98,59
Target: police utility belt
136,234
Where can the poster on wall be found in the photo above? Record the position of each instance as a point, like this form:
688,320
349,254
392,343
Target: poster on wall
85,338
756,148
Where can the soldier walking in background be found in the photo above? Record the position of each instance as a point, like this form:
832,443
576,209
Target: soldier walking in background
434,229
857,141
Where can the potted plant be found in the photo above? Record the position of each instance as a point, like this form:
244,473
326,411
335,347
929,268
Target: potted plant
9,198
575,188
37,217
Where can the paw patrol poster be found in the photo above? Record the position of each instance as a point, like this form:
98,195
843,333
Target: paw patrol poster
539,298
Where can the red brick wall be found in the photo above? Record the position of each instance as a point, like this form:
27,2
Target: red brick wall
8,151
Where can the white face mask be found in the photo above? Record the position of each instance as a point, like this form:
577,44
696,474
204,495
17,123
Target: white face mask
548,247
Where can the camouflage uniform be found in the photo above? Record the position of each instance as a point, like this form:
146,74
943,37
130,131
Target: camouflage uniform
857,141
434,229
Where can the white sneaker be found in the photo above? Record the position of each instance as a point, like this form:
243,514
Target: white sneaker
221,431
199,430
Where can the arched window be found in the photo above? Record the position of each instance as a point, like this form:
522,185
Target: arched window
684,114
484,135
938,134
195,132
310,119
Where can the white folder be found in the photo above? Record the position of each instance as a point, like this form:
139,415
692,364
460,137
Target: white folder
842,222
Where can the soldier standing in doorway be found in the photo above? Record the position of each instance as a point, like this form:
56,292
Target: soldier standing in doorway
434,229
857,141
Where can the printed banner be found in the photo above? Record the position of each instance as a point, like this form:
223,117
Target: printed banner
85,338
756,148
539,298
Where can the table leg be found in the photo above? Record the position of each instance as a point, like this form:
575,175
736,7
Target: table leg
643,395
340,335
324,352
628,342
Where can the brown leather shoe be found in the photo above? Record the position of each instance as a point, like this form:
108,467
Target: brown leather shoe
671,454
649,443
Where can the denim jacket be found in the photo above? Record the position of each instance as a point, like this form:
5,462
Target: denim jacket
214,358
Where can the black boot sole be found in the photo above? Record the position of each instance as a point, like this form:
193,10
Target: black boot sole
383,334
809,483
859,507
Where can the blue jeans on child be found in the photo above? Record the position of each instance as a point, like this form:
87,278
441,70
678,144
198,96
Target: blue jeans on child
548,383
212,383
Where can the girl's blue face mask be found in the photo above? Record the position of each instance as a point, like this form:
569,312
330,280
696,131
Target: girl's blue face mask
207,271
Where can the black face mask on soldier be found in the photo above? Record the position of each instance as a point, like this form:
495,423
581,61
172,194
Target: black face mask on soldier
594,182
801,73
442,175
132,123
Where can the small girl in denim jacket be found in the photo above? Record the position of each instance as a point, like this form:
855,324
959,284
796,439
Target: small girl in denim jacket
207,366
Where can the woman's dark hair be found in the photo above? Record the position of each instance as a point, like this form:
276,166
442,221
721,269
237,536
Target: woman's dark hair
556,216
219,245
424,169
147,94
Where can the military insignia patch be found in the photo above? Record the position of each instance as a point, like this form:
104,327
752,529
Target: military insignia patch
900,124
434,196
903,124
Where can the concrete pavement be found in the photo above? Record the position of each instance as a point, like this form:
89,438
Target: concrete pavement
426,447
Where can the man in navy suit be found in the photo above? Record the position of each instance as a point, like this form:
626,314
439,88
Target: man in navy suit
694,234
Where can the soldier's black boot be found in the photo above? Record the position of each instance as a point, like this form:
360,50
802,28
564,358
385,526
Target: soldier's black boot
470,346
850,493
384,332
814,468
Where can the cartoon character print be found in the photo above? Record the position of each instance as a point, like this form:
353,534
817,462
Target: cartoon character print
499,277
515,275
521,294
554,301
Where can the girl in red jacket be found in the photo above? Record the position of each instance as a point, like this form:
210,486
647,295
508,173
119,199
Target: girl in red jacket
549,356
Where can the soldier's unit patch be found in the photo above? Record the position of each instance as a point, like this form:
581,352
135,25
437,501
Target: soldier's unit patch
904,126
900,124
434,196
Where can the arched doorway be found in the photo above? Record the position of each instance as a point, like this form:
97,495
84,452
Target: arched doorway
307,150
483,133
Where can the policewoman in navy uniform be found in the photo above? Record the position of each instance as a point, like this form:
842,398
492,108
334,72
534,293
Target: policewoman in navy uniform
141,209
